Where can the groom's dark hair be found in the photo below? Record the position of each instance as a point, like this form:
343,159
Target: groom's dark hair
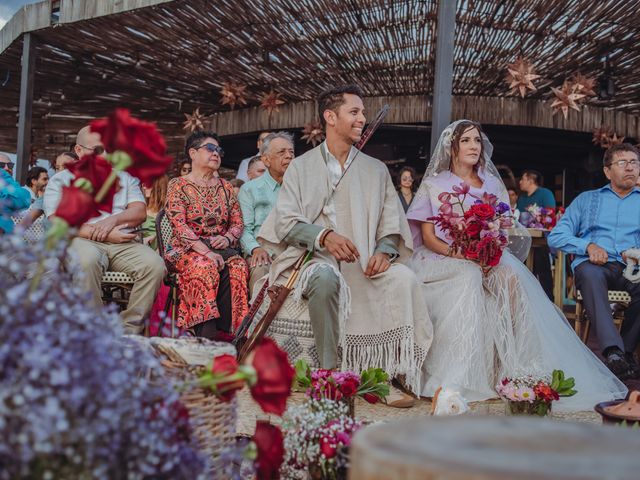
333,98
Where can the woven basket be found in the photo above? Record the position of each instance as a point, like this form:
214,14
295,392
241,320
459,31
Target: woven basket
213,421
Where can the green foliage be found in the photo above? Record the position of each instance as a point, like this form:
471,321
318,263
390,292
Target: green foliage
564,386
374,381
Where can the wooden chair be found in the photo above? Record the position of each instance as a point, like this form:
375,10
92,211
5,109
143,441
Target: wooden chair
164,232
582,324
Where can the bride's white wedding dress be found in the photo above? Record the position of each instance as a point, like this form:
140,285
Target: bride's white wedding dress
500,324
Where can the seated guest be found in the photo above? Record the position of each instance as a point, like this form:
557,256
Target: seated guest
207,224
258,197
597,227
13,198
105,242
244,164
236,183
63,160
181,167
256,168
36,182
534,193
406,190
155,196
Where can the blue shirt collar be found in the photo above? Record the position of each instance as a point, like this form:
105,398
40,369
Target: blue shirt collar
608,187
269,181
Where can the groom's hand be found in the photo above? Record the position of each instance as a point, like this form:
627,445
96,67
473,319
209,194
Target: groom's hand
341,248
378,263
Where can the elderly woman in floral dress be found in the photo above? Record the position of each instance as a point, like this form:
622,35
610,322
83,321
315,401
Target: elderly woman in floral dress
207,223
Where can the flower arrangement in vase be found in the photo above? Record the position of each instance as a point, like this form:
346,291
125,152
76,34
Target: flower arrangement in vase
530,395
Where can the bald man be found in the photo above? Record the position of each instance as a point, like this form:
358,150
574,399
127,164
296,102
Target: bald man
104,242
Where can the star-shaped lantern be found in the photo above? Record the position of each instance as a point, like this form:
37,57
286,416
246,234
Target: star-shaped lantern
520,76
605,137
233,95
584,85
566,97
194,121
313,133
271,102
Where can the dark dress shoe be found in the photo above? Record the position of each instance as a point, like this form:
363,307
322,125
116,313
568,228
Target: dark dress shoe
617,363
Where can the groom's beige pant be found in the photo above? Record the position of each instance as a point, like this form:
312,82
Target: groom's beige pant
138,261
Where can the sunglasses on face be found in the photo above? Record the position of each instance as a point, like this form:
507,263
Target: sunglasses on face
212,148
7,164
99,150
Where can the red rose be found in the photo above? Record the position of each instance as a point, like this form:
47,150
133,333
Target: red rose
545,392
275,376
141,140
473,229
482,211
225,366
270,445
349,387
471,251
371,398
76,206
327,447
97,170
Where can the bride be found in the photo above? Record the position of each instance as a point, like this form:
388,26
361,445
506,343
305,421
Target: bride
497,322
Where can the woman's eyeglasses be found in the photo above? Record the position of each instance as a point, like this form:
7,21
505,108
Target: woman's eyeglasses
212,148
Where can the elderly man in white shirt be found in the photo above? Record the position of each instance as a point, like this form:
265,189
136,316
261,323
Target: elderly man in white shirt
106,242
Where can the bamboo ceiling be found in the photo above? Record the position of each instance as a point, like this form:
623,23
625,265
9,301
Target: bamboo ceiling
165,60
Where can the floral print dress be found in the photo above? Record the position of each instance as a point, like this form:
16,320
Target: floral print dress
199,212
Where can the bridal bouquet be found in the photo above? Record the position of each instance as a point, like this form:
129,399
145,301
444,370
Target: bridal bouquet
534,396
479,232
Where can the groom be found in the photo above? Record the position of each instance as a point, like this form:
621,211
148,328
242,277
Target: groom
340,204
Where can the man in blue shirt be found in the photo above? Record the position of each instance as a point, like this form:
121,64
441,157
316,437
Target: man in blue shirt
534,193
257,198
598,227
13,197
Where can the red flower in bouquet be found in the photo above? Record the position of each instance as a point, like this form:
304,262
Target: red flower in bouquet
349,387
471,251
371,398
141,140
482,211
545,392
270,445
226,367
76,206
274,377
474,229
328,447
96,169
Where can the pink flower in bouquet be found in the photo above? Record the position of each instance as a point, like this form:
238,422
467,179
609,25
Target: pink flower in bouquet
275,376
270,445
525,394
463,189
320,374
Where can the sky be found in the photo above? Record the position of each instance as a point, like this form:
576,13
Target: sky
9,7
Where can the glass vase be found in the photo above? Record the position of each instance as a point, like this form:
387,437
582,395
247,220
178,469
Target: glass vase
540,409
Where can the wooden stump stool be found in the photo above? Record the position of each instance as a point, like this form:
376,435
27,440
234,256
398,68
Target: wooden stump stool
479,448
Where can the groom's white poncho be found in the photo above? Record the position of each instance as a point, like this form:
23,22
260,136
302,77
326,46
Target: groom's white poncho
385,322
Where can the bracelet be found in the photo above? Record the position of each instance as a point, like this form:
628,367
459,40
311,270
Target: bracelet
449,251
323,237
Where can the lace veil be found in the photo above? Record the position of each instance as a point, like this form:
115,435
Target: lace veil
519,237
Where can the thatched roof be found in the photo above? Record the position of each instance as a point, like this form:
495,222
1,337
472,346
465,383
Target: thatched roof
162,59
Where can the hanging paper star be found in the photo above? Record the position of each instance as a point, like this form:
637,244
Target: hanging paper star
606,138
194,121
601,136
233,95
520,76
566,98
584,85
313,133
271,101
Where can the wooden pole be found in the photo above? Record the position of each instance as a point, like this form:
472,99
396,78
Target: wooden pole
443,76
26,104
